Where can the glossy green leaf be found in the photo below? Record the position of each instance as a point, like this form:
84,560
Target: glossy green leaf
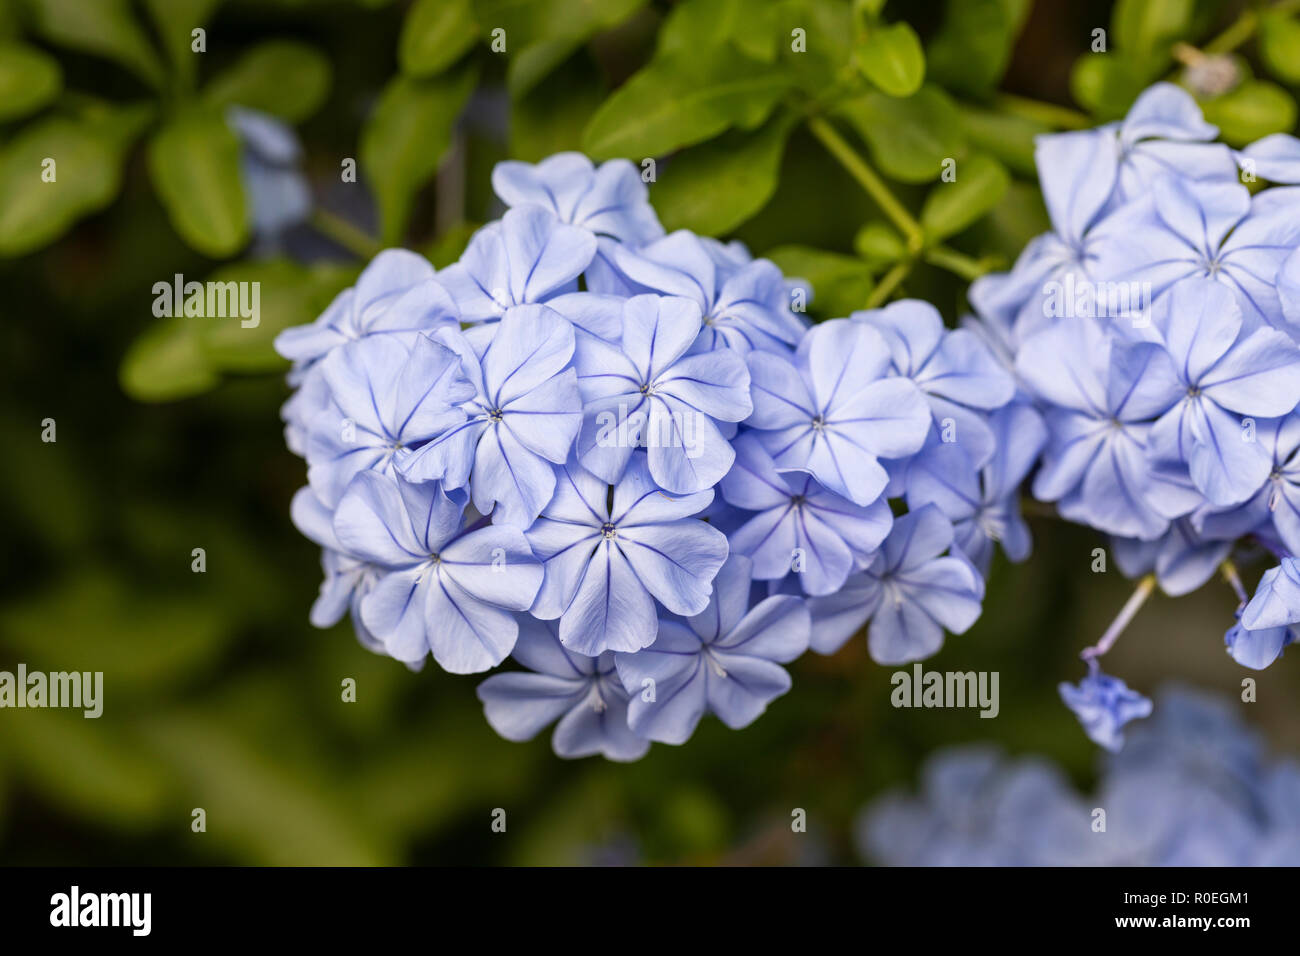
29,79
405,139
194,164
714,187
1009,138
980,183
281,77
892,59
435,34
879,244
909,138
1146,29
562,27
684,99
1107,83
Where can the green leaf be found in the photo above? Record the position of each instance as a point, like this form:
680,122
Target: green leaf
29,80
167,362
87,767
137,637
435,34
909,138
714,187
560,28
287,294
980,184
971,51
551,118
1146,29
284,78
1279,46
1009,138
841,284
749,27
194,163
879,244
1253,110
1106,83
406,138
103,27
87,164
684,99
268,810
891,57
829,31
175,21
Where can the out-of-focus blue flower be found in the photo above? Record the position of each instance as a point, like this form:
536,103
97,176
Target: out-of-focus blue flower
386,397
275,190
1191,787
725,660
583,693
983,506
745,304
1275,158
446,589
1098,415
835,411
523,418
1104,704
650,391
528,256
960,376
912,593
1215,374
607,561
799,525
609,200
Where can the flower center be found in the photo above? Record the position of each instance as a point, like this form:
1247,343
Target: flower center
608,529
495,415
818,423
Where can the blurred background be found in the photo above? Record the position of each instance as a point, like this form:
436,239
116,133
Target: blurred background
218,693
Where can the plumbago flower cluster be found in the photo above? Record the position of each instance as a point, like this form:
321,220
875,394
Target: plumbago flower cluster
1156,330
1193,787
625,460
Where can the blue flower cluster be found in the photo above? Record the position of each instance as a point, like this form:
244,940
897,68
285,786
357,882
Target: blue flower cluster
624,459
1193,787
1156,329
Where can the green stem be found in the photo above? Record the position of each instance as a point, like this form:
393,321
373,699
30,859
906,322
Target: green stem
881,293
959,263
350,237
866,176
1049,114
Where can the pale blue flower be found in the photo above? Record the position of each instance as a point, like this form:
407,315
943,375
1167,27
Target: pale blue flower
726,660
799,525
583,693
528,256
446,589
1104,704
609,200
651,391
275,190
959,374
835,411
523,418
609,554
386,398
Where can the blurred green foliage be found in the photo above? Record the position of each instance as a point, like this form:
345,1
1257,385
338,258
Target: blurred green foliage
814,130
